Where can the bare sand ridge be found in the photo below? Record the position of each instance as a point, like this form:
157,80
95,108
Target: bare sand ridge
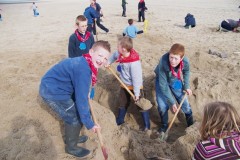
29,46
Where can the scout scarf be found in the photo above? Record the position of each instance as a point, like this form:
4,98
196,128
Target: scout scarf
178,74
81,39
94,70
131,58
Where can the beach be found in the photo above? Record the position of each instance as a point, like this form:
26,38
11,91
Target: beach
30,45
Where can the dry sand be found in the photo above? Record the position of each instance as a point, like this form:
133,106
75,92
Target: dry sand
29,46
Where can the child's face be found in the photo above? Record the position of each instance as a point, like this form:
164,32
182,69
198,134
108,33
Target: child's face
82,27
122,50
174,59
99,57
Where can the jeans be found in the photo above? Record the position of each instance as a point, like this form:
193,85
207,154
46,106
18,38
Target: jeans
99,25
176,87
65,109
124,10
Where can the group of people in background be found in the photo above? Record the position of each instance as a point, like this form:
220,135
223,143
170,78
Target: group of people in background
68,86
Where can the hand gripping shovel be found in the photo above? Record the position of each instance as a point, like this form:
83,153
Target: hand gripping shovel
104,149
142,103
164,136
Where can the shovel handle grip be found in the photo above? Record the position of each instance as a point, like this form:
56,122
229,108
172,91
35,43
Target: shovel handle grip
124,85
175,115
95,121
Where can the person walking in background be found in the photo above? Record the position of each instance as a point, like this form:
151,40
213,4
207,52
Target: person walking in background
65,89
81,41
91,14
100,14
219,132
172,79
131,31
230,25
124,8
35,10
141,10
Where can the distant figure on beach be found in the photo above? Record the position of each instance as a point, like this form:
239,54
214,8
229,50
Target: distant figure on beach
91,14
141,10
35,9
124,8
229,25
81,41
131,30
100,14
190,21
0,15
219,132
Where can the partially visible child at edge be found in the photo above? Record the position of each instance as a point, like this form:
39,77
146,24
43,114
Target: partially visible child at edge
65,89
141,10
220,135
172,79
0,15
130,69
91,14
230,25
124,8
98,20
131,31
81,41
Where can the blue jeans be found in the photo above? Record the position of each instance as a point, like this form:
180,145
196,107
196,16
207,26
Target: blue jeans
65,109
176,87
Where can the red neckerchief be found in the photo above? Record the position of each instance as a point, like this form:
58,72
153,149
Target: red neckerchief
81,39
94,70
141,1
131,58
178,74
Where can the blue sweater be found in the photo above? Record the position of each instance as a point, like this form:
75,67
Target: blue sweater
164,74
90,13
74,45
72,75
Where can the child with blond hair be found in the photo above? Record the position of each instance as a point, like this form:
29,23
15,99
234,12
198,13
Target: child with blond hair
220,135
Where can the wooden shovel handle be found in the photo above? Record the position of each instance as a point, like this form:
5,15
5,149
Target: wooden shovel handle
95,121
124,85
175,115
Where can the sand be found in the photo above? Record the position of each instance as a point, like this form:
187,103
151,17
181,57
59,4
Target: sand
29,46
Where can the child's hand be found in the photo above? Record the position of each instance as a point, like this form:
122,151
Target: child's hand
174,108
189,92
95,128
136,98
107,65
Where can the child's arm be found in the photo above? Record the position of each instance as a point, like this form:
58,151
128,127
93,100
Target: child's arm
113,57
136,76
186,74
71,46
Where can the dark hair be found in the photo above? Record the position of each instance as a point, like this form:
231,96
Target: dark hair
130,21
80,18
103,44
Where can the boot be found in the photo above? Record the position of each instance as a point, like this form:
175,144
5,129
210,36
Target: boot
71,138
121,115
164,121
81,139
189,119
146,120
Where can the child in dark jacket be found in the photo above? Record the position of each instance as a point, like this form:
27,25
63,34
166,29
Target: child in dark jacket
190,21
141,10
91,14
65,89
220,133
81,41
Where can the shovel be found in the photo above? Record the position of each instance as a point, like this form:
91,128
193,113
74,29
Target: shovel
104,149
164,136
142,103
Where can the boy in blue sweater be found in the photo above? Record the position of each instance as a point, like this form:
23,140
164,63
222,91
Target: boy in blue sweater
130,70
81,40
74,77
91,14
172,79
131,31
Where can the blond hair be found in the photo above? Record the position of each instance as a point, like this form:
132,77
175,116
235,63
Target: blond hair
102,44
126,43
177,49
219,120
